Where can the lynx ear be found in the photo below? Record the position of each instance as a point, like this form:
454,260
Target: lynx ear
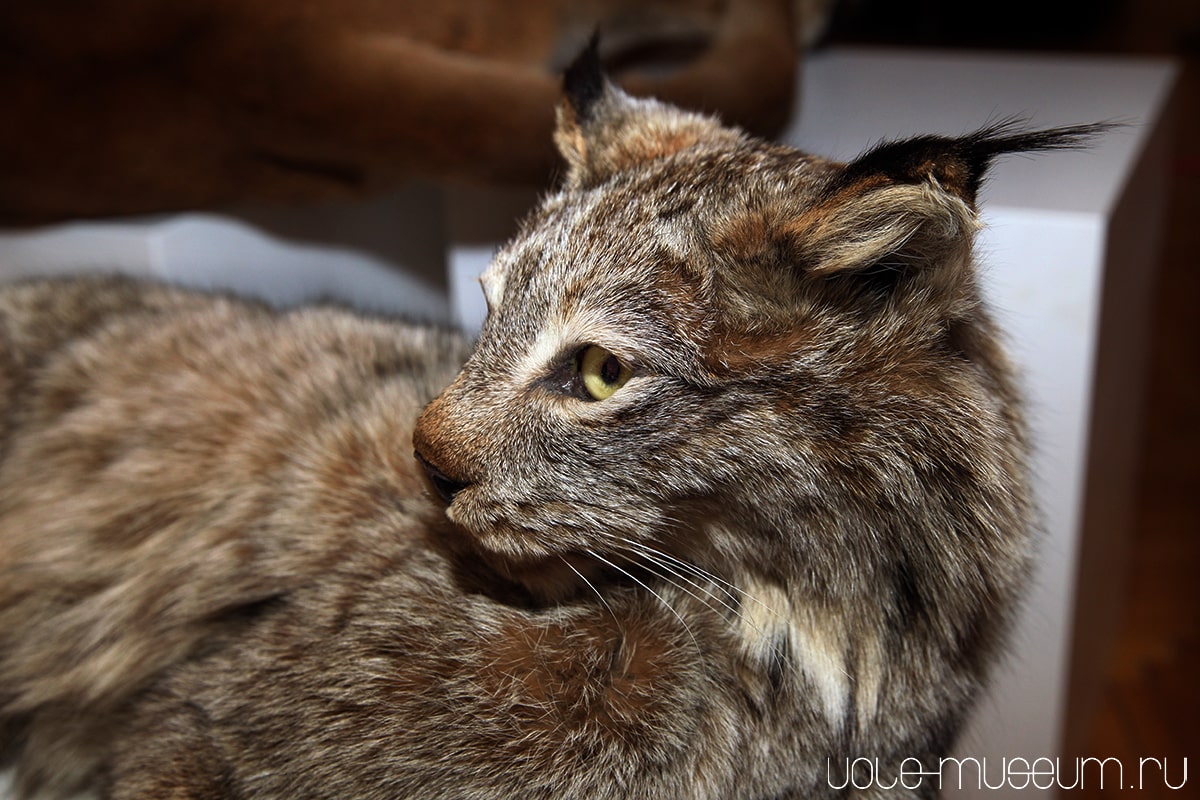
913,201
602,130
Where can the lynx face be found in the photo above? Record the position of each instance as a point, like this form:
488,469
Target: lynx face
577,411
740,354
600,414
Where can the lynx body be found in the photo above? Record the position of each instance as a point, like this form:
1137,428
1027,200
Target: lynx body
731,488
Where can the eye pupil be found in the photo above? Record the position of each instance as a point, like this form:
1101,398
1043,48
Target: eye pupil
610,370
600,373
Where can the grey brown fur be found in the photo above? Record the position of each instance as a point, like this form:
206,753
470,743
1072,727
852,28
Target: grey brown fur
797,533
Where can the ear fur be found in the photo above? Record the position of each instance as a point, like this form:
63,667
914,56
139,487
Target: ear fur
891,225
913,201
602,131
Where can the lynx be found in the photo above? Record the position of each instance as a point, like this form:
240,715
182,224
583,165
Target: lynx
731,488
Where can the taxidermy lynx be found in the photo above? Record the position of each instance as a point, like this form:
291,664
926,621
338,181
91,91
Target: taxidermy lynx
731,488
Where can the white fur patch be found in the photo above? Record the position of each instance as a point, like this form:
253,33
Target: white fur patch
817,643
869,680
492,281
540,355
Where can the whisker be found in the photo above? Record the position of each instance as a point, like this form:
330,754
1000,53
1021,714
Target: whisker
655,558
592,586
657,596
731,588
660,562
678,567
775,655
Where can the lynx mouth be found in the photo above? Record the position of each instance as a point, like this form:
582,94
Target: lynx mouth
520,556
445,486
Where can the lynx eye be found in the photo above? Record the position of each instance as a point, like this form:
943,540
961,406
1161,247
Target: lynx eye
602,372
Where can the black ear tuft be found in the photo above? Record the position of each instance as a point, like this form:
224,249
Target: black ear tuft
1007,136
583,80
958,164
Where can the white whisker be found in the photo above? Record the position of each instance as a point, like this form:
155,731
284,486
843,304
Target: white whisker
678,567
661,564
656,558
730,588
657,596
592,586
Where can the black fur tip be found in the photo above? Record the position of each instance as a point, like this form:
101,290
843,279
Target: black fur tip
979,149
583,80
961,163
1011,136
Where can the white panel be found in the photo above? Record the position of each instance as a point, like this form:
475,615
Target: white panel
214,252
1041,271
67,249
385,254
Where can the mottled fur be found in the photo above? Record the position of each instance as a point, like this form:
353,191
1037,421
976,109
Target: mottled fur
797,533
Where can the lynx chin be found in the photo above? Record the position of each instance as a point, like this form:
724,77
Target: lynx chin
731,487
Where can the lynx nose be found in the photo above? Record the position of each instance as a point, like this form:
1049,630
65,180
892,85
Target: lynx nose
443,484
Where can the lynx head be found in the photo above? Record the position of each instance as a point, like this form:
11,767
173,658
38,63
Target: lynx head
735,353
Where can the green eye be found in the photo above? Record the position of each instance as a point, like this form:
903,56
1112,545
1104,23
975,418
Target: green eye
602,372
